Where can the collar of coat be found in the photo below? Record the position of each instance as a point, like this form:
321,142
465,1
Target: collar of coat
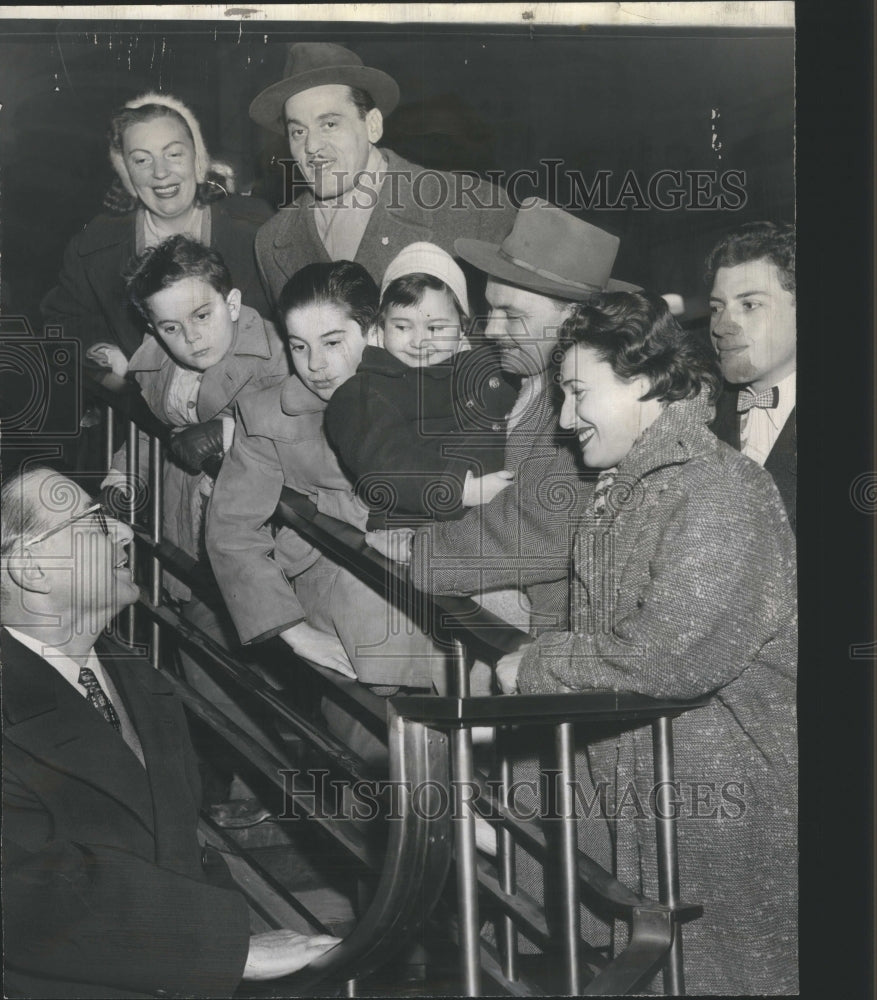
250,340
393,198
678,435
379,361
297,399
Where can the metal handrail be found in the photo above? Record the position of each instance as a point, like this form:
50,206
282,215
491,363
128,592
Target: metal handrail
419,854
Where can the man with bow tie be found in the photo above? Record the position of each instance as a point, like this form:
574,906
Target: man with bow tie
752,273
106,889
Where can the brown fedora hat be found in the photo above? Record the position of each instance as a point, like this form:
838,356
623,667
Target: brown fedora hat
316,64
550,252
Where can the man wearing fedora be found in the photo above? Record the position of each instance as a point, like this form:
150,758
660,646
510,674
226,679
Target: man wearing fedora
521,538
364,203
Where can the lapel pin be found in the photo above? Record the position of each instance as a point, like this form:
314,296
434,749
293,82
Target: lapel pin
385,240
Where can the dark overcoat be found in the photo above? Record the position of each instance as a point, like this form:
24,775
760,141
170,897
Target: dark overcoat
90,301
522,539
106,890
408,436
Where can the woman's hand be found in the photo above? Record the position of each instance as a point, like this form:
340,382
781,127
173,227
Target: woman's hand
280,953
108,356
482,489
507,669
319,647
393,543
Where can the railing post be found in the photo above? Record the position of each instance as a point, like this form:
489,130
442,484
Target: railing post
109,431
464,829
156,497
132,469
564,735
668,856
508,936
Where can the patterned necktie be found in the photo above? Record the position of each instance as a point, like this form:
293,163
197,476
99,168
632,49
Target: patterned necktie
601,490
98,698
768,399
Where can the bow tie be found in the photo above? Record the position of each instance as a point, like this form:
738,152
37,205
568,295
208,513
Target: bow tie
769,399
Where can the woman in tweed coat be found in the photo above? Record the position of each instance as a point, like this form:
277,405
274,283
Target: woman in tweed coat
695,596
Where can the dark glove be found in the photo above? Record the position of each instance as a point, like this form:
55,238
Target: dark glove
194,445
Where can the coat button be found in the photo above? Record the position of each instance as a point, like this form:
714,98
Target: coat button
470,403
191,404
493,382
496,427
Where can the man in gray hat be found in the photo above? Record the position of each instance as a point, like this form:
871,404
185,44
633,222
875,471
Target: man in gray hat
364,203
521,538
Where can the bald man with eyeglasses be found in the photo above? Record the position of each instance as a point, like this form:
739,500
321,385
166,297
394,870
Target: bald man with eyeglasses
106,890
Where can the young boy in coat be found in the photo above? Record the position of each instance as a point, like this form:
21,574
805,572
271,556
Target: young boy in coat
205,351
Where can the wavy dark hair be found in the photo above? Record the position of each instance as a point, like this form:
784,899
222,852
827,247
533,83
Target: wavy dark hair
174,259
635,333
340,283
118,199
756,241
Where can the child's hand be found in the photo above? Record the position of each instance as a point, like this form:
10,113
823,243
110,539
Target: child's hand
319,647
507,670
192,446
482,489
108,356
394,544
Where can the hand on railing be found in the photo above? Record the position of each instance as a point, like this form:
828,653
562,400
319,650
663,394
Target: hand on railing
507,670
280,953
394,543
108,356
318,647
194,445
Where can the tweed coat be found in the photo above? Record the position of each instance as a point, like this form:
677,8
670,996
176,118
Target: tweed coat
408,436
90,300
522,539
106,890
696,596
413,205
279,441
781,463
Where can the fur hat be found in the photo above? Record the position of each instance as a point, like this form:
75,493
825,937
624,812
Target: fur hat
203,163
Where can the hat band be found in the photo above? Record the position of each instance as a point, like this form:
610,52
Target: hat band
543,273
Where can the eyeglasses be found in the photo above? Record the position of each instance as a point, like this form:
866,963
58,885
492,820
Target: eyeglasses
97,509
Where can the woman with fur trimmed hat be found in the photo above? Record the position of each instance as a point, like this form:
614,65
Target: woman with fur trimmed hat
166,184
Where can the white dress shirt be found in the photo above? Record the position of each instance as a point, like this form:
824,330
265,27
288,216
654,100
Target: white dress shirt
760,428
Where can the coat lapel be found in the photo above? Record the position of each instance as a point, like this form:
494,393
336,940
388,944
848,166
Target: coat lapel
155,714
49,720
726,425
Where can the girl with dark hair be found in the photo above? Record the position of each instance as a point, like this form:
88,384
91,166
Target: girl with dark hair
694,595
280,584
166,184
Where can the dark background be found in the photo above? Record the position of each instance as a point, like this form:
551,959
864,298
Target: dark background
471,99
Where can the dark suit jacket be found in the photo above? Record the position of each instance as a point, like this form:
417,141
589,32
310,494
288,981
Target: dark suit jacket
90,300
106,890
438,209
782,462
